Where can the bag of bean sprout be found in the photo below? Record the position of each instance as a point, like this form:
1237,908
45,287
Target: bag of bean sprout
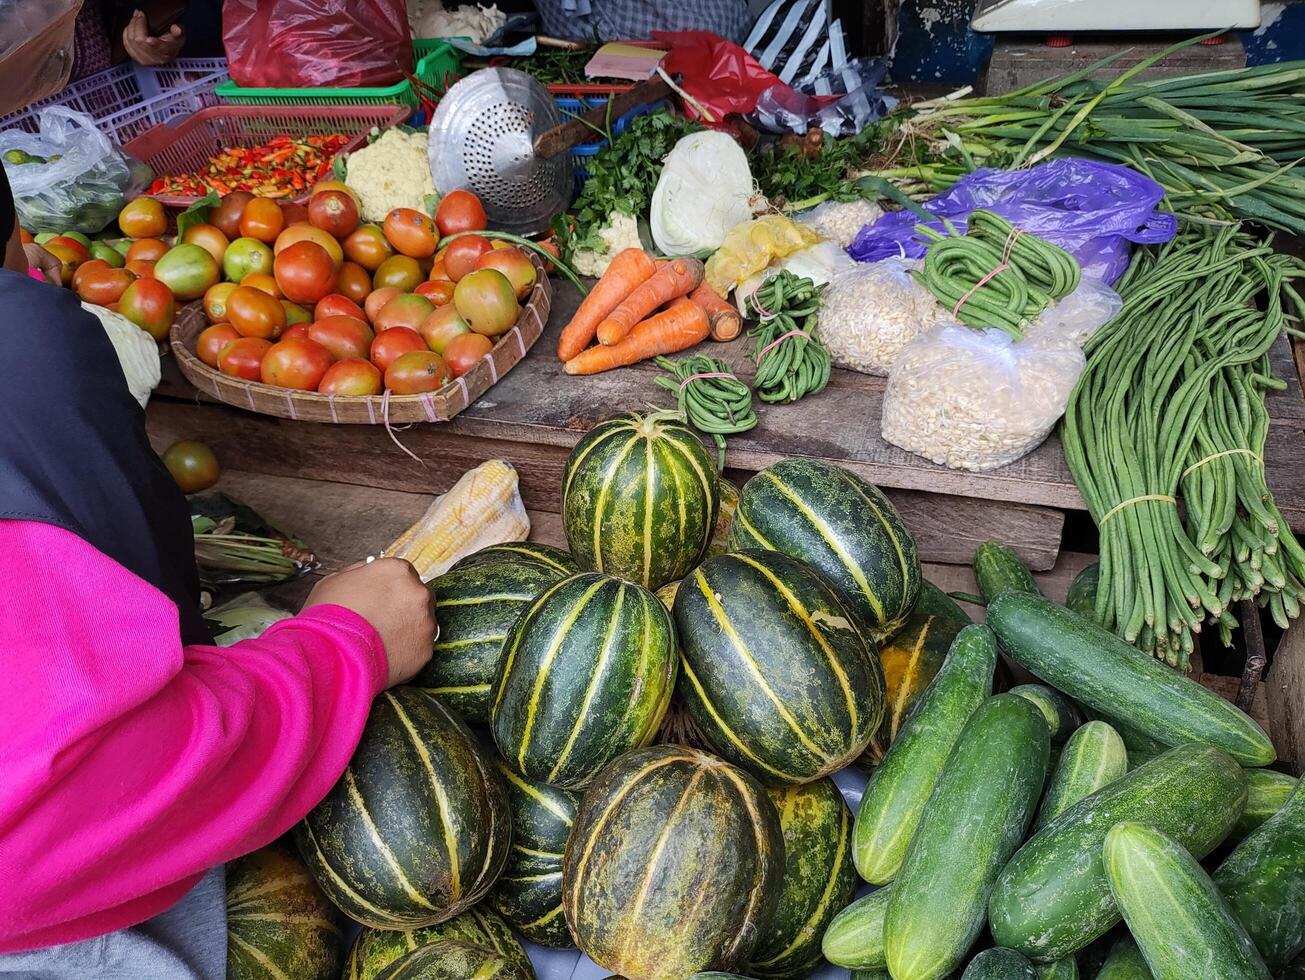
1082,313
873,310
977,399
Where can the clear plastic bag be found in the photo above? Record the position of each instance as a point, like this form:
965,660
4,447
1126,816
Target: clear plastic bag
312,43
1082,313
872,311
839,221
36,49
68,176
976,400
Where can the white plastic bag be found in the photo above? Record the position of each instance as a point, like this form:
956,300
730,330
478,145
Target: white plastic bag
871,311
68,176
976,400
704,190
1079,315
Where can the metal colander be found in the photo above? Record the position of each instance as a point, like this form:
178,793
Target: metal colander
482,138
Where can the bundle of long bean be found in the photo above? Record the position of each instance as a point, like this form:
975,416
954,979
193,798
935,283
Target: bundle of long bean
709,397
995,275
1221,143
1171,410
791,362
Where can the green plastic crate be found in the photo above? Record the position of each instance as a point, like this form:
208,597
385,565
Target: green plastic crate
436,63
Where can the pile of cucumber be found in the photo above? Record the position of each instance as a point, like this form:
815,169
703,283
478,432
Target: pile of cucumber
1013,840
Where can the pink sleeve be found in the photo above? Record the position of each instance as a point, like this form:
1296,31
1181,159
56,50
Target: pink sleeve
129,765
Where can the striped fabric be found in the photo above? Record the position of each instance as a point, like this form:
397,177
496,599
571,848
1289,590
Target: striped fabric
797,40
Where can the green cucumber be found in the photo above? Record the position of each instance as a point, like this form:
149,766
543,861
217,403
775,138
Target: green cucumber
998,569
1094,666
1062,715
973,822
1266,792
1125,962
933,601
999,964
855,937
1182,925
1263,880
1082,596
897,792
1093,757
1051,900
1061,969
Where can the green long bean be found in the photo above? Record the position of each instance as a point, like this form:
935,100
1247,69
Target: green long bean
709,397
791,362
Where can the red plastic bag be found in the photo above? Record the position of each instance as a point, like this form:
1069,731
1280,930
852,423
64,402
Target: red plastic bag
309,43
719,74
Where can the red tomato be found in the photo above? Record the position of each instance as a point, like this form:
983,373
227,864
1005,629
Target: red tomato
210,238
246,256
304,232
215,301
143,218
84,270
441,327
243,358
192,464
463,353
487,302
82,252
415,372
294,213
212,339
263,219
333,211
368,247
512,262
353,281
305,272
104,286
343,336
390,344
438,291
353,376
226,216
439,271
299,330
337,305
296,363
150,305
188,270
334,185
143,268
410,232
375,301
149,249
264,282
255,314
405,310
294,313
462,254
398,270
460,211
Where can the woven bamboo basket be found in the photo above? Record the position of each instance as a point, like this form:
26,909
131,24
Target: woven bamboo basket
310,406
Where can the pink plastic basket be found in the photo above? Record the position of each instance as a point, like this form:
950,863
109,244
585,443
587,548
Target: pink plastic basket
186,145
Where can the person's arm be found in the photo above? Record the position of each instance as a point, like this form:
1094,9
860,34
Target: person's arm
146,49
129,765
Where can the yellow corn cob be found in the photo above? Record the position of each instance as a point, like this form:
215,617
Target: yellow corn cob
482,508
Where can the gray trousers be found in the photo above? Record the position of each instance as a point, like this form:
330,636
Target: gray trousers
186,942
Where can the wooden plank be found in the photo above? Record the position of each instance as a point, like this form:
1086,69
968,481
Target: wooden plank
1284,686
946,528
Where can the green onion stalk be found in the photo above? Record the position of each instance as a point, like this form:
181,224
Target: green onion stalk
1164,435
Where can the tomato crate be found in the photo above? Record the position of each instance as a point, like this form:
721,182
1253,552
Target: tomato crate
186,145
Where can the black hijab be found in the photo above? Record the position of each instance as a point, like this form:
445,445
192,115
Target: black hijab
73,449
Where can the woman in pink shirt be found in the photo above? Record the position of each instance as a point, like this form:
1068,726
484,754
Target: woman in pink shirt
135,757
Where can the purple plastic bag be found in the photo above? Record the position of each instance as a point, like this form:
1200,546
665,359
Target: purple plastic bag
1092,210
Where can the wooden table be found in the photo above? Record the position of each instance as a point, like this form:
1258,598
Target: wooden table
535,414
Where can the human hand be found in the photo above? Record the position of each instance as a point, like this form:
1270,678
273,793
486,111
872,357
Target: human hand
147,50
389,595
49,266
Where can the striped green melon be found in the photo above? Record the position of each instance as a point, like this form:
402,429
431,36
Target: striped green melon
376,949
529,892
476,605
819,879
280,925
543,555
639,499
588,670
843,527
911,660
776,671
674,865
454,959
417,829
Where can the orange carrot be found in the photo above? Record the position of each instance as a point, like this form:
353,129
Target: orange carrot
674,278
630,268
726,323
680,325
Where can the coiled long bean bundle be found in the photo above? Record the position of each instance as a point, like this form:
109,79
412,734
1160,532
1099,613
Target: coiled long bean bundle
717,405
1171,411
791,362
995,275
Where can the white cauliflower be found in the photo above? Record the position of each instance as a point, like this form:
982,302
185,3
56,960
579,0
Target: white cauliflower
620,232
393,172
